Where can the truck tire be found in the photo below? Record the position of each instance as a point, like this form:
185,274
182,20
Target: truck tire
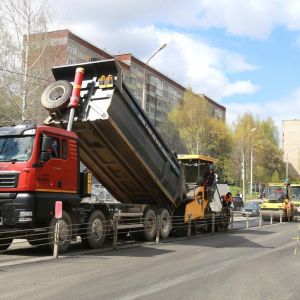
149,231
56,95
5,242
166,223
65,232
150,225
95,233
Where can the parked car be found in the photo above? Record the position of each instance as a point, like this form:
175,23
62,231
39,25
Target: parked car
238,203
251,208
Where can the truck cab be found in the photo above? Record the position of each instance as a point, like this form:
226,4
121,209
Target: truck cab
38,165
294,194
277,202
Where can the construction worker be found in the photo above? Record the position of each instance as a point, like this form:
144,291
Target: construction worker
209,177
209,181
227,201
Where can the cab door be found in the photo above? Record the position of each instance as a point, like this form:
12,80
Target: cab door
49,174
70,164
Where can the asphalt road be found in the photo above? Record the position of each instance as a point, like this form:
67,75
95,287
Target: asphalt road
245,264
20,251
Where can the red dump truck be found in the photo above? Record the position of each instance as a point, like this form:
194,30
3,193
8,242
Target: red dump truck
94,119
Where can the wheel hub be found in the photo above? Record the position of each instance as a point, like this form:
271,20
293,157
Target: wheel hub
97,229
63,232
56,93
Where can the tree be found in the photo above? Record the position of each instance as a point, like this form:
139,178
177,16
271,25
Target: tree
192,128
23,76
262,142
201,132
171,136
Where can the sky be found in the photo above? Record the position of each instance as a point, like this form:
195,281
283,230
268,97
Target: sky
244,54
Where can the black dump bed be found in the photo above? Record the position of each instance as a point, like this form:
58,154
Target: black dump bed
118,144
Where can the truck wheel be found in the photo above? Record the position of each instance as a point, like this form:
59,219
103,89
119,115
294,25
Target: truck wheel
166,223
5,242
56,95
150,224
95,233
65,232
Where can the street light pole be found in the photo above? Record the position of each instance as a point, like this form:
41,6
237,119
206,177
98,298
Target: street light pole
243,174
251,165
144,78
251,170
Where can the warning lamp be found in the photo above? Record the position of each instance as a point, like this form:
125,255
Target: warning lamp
105,81
101,81
109,81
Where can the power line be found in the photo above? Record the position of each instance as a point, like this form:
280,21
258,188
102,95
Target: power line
19,73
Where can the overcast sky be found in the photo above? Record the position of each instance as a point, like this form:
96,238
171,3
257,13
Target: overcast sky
244,54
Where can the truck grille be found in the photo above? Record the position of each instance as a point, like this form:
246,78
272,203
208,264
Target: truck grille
9,180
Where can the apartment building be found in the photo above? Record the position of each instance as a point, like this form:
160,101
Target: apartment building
61,47
162,93
291,147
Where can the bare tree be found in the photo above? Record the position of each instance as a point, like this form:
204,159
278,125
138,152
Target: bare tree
23,74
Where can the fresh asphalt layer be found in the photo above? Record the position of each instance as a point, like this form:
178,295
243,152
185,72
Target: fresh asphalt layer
245,264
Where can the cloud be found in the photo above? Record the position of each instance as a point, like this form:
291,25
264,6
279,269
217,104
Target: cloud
284,108
141,27
256,19
240,17
205,68
187,59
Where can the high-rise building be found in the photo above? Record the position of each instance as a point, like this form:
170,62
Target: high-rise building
63,47
291,147
162,93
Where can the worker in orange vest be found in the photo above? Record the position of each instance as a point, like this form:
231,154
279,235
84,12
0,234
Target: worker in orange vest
228,198
227,201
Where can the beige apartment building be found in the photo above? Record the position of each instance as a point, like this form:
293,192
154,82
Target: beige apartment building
162,93
291,147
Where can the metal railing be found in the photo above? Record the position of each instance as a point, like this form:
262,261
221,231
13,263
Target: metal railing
124,228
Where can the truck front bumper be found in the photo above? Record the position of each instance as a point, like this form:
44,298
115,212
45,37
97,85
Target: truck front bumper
16,209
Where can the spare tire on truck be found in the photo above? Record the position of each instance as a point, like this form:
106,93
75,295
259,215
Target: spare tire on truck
56,95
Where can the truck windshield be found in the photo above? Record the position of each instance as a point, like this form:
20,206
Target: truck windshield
295,192
16,148
276,193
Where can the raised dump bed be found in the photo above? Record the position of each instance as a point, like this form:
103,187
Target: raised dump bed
117,142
